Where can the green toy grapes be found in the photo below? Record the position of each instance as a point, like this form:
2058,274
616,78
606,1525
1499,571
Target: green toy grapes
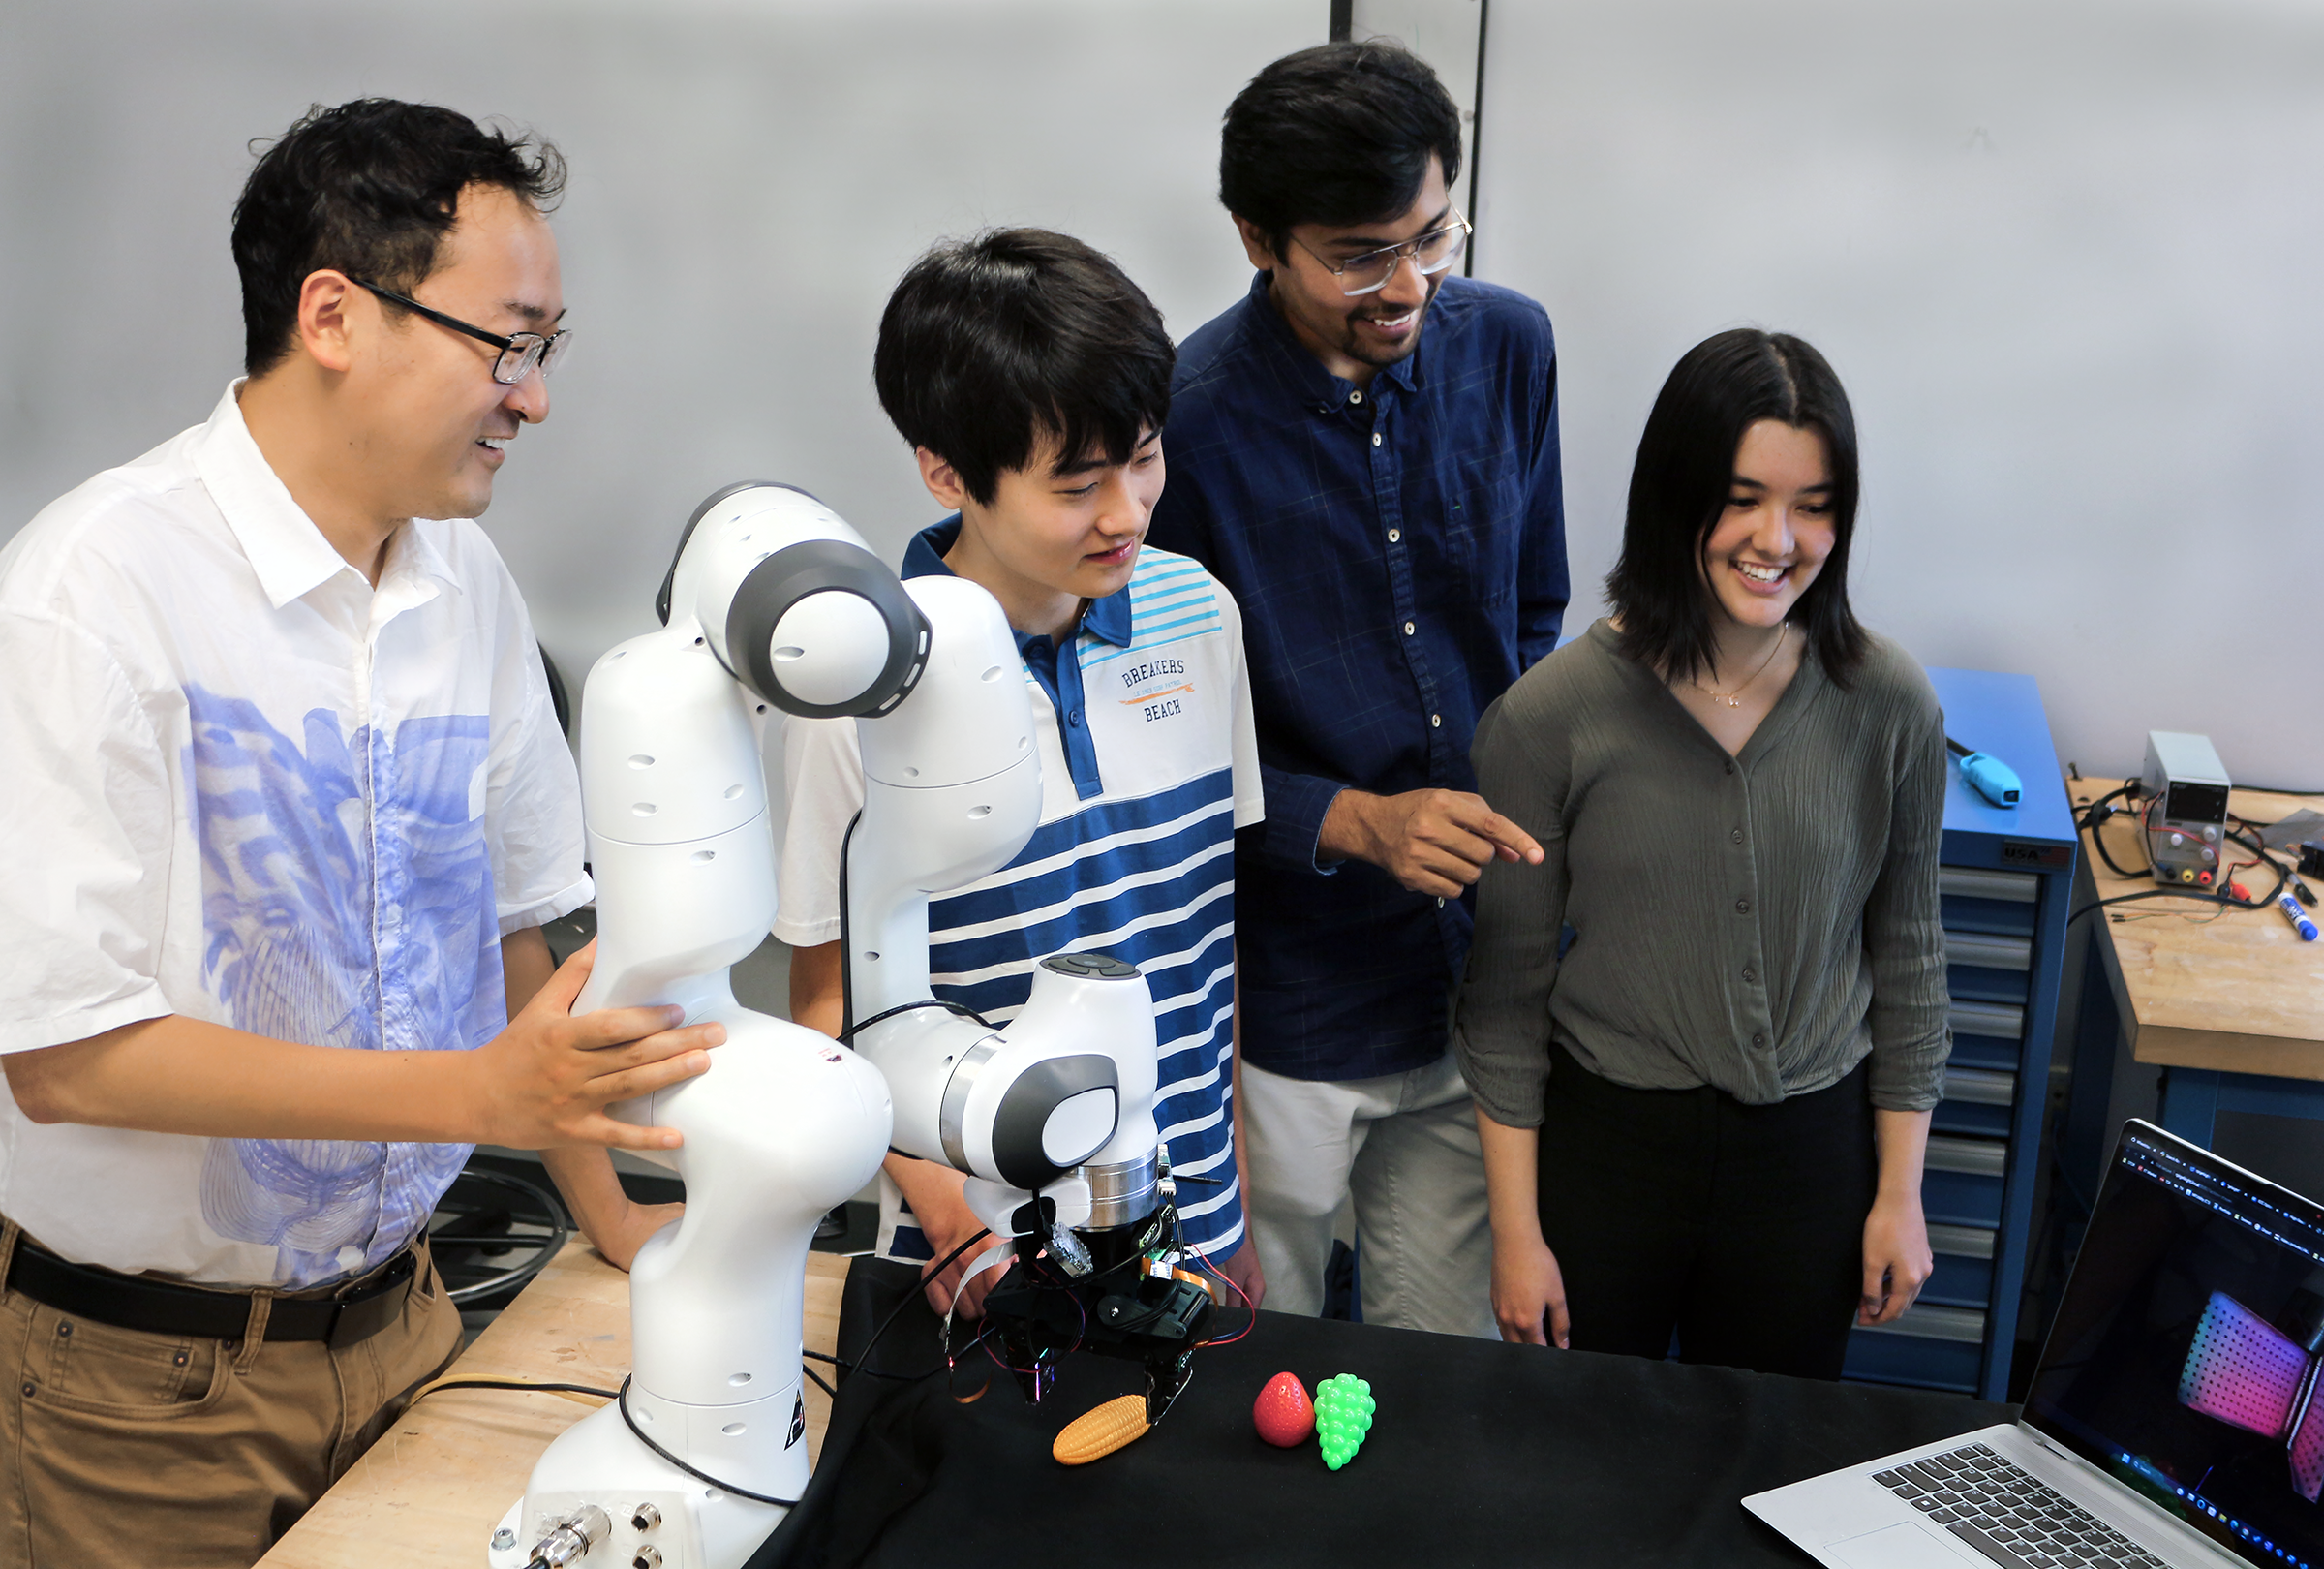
1343,1415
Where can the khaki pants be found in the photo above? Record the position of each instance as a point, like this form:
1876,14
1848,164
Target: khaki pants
1403,1148
123,1447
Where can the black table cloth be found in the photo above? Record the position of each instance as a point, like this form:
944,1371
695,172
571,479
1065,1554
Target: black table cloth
1479,1454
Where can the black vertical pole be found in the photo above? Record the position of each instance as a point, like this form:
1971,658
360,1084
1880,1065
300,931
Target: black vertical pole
1468,261
1343,20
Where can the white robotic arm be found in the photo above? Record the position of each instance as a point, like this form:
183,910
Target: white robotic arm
774,602
952,790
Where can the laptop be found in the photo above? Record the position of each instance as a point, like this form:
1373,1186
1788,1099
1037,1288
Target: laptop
2175,1419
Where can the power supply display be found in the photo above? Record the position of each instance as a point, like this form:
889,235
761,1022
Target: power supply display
2187,813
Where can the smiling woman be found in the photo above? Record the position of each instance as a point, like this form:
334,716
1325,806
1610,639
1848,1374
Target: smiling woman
1747,465
1738,792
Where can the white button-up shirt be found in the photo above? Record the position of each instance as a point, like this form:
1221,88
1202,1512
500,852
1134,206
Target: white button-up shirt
238,784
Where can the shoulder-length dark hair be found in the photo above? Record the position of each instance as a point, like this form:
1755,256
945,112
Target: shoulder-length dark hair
1686,467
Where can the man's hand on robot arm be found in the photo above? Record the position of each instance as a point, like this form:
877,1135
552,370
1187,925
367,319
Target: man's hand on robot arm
546,1079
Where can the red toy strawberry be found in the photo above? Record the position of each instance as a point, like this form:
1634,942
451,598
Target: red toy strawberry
1283,1413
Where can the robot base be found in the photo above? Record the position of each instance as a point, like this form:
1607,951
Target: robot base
783,1125
660,1516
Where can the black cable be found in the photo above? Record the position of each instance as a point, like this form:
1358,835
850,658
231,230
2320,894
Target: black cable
883,1015
938,1268
544,1248
621,1400
845,1365
2259,848
1957,748
2147,893
2093,817
511,1383
2091,821
2282,875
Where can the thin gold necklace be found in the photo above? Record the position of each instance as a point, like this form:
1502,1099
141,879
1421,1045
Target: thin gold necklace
1734,699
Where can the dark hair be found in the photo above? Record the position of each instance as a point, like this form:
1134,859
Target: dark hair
1338,134
1686,468
368,188
988,344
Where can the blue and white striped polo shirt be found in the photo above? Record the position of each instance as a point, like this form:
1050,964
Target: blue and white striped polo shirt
1148,765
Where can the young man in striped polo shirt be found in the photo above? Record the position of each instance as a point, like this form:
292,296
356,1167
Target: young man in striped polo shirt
1032,378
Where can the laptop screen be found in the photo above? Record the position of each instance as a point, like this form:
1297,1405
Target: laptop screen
2184,1359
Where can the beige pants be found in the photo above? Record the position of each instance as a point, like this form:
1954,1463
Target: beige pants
1403,1150
123,1447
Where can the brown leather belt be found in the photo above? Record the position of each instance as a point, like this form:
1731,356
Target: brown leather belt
131,1301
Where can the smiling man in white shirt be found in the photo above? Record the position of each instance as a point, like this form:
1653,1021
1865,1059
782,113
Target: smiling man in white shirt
287,805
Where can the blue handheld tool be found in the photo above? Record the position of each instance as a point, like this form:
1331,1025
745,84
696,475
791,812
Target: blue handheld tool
1990,777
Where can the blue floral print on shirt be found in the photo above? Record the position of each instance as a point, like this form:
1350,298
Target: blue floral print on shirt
346,901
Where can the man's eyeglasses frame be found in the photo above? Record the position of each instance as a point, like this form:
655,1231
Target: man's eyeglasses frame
519,353
1393,256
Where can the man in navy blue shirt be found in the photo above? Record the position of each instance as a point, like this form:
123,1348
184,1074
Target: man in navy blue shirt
1365,451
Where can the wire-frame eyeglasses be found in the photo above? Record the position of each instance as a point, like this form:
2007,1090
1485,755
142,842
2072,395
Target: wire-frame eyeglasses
520,351
1432,253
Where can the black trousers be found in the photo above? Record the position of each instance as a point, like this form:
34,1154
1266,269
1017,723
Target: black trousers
1738,1228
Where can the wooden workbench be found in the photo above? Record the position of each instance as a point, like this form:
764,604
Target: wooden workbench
432,1488
2233,1008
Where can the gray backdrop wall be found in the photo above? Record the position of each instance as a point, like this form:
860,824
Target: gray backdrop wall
2064,252
749,180
2065,255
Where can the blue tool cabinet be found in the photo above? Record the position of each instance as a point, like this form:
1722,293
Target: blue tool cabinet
2007,879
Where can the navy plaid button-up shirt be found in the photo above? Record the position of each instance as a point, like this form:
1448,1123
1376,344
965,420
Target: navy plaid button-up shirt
1399,554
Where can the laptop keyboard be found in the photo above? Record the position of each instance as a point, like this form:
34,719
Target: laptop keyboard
2009,1517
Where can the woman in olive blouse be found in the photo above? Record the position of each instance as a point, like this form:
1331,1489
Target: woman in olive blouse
1705,1120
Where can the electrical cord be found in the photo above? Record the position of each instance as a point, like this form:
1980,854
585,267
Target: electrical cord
622,1396
885,1014
2096,815
938,1268
545,1246
621,1399
2282,875
515,1384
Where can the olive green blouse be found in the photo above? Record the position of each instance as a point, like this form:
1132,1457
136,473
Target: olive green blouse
1760,923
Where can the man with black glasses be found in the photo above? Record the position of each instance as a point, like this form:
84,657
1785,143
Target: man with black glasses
1365,451
287,805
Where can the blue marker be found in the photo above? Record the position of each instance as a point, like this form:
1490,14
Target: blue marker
2297,916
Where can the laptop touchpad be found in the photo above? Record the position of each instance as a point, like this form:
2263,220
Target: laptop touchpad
1897,1547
